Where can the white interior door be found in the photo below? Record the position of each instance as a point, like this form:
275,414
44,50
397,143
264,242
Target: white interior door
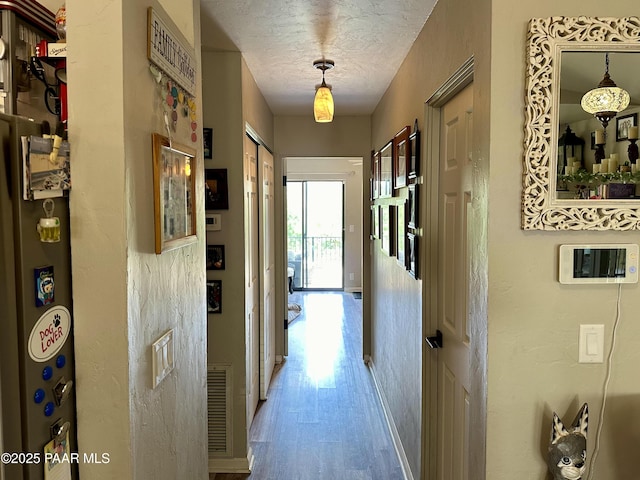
252,275
454,400
268,268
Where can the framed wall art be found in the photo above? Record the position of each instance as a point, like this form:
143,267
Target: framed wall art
401,230
622,126
386,170
215,257
174,187
401,152
207,142
214,296
375,175
387,227
216,189
412,255
414,155
412,206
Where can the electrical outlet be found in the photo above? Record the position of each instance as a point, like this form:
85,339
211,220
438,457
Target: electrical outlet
351,276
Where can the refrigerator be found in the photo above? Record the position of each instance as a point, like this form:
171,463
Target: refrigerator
37,394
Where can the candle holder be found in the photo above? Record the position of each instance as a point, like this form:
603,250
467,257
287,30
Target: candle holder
632,151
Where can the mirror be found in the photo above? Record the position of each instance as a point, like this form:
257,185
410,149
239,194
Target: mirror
566,58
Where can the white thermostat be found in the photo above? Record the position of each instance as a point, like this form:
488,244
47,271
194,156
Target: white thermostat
599,263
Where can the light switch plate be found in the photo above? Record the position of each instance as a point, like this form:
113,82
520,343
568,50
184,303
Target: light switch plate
162,357
591,344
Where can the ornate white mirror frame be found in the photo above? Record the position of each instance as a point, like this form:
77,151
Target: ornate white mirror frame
547,39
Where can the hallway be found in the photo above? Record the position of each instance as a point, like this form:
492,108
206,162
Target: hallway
323,419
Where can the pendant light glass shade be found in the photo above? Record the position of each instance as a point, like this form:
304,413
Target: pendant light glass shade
323,104
606,101
323,101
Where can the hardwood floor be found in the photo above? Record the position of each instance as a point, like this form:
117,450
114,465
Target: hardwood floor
322,419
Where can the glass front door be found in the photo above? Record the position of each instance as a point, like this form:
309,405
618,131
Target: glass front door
315,229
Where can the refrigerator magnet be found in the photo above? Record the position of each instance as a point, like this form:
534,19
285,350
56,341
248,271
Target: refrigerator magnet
44,285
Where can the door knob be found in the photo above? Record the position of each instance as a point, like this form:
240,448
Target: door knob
435,341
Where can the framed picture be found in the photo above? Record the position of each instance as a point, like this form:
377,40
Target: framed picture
412,255
216,189
214,296
414,155
174,187
400,157
375,175
623,124
412,206
375,222
386,169
401,229
215,257
207,142
387,227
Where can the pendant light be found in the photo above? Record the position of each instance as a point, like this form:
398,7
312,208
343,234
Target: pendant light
323,101
606,101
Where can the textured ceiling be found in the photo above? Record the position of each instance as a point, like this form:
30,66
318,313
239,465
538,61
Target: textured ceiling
280,40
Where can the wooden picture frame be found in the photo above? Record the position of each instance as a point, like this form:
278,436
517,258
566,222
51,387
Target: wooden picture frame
386,171
414,155
622,126
174,186
215,257
216,189
214,296
401,153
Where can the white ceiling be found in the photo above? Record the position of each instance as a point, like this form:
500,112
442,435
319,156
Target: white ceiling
280,40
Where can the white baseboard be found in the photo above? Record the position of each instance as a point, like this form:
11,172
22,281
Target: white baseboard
395,436
232,465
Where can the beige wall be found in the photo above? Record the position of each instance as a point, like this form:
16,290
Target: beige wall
533,320
126,296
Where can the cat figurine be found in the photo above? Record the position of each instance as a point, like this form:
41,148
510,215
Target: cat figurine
567,453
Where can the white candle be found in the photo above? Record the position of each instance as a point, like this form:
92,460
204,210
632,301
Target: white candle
614,156
599,137
633,133
633,168
613,165
596,168
568,170
604,166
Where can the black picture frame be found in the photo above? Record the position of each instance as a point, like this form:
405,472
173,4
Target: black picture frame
622,126
216,189
207,143
387,227
412,255
214,296
414,157
215,257
401,231
413,205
